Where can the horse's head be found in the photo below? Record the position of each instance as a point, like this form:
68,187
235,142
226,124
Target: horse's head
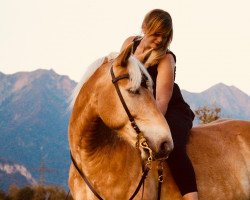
135,86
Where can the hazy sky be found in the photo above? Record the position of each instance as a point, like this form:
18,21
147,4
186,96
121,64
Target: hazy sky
211,38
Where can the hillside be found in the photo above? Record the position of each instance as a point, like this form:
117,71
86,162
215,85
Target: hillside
33,122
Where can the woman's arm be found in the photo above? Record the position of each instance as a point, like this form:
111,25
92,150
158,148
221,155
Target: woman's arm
165,78
165,82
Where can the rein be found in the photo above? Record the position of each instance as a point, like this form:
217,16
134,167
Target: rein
144,175
141,142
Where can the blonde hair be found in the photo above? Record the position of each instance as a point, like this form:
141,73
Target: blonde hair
158,21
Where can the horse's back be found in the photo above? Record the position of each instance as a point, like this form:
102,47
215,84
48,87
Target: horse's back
220,153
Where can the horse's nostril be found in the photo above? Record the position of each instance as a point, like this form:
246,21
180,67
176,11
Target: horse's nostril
164,151
165,148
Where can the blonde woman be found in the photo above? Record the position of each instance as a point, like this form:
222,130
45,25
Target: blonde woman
157,35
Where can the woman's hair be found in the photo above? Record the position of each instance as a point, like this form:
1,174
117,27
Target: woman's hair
158,21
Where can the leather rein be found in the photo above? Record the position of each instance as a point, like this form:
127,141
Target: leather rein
141,141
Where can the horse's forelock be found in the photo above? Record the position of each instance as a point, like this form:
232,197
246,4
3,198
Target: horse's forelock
136,74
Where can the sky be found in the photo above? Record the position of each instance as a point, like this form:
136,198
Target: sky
211,38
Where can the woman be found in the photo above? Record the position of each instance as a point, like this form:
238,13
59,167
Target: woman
157,35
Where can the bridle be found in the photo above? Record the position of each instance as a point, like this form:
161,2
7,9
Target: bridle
141,142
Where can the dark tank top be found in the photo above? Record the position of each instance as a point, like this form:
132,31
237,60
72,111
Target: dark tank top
176,102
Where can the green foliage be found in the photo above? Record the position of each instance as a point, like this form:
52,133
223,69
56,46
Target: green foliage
207,114
34,193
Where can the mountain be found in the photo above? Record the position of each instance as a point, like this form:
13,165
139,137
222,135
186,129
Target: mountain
34,120
233,102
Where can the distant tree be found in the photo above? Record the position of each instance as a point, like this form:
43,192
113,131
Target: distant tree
207,114
12,192
24,193
49,192
40,193
3,195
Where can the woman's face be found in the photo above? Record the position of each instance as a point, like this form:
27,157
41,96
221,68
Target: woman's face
153,41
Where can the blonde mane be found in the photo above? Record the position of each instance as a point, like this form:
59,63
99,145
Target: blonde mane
135,75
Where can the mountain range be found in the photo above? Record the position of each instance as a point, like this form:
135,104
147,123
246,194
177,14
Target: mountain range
34,119
233,102
33,123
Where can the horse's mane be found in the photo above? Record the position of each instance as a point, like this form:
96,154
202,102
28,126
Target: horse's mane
135,75
90,71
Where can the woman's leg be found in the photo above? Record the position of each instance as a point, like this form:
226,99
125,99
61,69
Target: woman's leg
183,172
178,161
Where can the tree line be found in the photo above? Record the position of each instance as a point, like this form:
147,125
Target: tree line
207,114
39,192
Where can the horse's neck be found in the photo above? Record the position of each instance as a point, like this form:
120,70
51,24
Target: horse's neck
104,148
92,141
109,160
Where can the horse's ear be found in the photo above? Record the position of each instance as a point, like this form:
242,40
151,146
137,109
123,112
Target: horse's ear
144,57
123,57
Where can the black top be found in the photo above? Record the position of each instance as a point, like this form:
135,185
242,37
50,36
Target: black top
176,102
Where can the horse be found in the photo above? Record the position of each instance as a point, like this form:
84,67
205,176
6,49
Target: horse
115,130
109,159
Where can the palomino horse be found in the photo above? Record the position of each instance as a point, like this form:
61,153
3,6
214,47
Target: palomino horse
104,133
104,150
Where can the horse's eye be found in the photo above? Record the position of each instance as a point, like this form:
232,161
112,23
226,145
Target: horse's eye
144,84
137,91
